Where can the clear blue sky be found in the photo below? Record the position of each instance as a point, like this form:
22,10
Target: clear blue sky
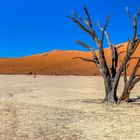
33,26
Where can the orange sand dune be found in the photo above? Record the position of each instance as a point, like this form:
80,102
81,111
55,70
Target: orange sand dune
56,62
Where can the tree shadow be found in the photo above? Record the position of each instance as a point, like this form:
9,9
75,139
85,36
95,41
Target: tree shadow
134,99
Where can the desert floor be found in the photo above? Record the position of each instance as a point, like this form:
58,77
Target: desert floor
64,108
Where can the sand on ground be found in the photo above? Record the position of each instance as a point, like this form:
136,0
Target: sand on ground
64,108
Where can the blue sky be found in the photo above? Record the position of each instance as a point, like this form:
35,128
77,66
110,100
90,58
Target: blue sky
33,26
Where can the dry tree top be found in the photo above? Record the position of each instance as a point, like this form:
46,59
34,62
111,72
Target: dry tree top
111,73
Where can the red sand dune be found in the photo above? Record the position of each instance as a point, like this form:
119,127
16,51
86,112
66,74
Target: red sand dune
57,62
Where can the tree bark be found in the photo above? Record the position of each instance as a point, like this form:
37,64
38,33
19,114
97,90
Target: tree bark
111,92
112,98
125,96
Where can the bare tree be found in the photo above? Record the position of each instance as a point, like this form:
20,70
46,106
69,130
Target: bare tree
110,73
131,82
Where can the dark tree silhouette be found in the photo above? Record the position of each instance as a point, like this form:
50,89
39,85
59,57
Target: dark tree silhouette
110,73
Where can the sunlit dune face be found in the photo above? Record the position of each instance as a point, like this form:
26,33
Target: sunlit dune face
59,62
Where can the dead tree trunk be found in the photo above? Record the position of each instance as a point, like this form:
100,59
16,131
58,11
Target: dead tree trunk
110,73
130,83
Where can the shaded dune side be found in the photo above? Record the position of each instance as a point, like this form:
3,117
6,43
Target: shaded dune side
57,63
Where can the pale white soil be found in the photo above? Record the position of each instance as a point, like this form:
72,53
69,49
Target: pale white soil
64,108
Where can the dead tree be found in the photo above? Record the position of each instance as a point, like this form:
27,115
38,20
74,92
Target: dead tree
131,82
110,73
134,78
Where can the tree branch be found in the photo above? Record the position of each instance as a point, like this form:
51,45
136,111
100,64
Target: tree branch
129,15
125,75
134,82
84,59
88,16
95,58
80,18
79,24
134,71
101,50
130,50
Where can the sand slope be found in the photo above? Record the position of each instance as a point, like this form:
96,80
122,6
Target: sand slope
56,63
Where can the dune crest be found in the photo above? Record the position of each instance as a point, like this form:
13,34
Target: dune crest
57,62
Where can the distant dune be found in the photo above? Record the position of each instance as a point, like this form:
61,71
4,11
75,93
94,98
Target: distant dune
57,62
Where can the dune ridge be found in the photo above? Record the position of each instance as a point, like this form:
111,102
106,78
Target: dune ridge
58,62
